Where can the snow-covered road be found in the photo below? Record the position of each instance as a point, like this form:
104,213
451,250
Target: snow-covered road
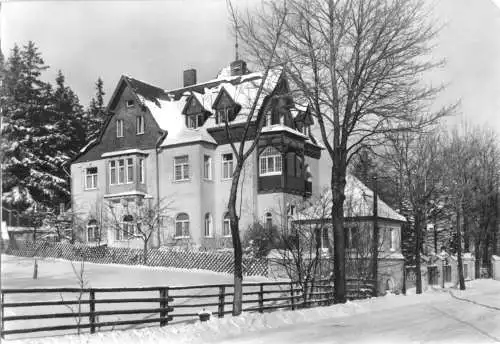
444,320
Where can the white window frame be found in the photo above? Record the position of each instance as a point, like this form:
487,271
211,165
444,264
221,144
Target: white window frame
128,229
208,226
226,220
129,168
184,224
93,227
270,154
93,178
113,171
227,166
130,103
119,128
139,125
142,171
207,167
122,171
184,168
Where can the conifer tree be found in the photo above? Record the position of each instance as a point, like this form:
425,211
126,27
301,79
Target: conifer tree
96,114
41,132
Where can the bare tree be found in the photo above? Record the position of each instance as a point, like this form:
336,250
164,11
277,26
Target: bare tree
254,119
140,221
358,64
418,160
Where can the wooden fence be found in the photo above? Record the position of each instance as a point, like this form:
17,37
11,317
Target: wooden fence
70,310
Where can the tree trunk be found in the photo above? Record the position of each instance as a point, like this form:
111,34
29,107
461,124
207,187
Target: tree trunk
461,280
375,242
418,233
435,239
477,258
466,233
338,196
145,252
235,235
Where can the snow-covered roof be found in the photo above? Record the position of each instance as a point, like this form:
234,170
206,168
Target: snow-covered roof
123,152
358,203
166,106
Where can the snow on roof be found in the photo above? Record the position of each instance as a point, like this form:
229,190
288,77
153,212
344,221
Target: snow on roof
84,149
282,127
358,203
165,112
124,152
188,135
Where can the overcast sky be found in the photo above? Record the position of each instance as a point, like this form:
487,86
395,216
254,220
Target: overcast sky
156,40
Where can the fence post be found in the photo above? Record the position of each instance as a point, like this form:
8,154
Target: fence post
2,300
164,306
292,296
92,310
261,298
222,295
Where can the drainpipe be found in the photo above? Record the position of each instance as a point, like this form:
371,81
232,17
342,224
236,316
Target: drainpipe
157,150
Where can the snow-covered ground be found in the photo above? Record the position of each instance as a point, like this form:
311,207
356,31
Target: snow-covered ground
438,316
17,273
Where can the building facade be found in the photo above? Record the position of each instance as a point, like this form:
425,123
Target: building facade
175,148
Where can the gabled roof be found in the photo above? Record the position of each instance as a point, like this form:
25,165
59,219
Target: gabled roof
167,107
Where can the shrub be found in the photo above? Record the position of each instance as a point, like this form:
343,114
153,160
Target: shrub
258,240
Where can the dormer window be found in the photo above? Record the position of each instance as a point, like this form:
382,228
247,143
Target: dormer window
129,103
195,121
222,115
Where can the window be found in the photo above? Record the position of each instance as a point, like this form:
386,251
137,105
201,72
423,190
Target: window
195,121
226,225
128,227
270,162
182,225
351,238
141,171
91,178
130,103
322,238
130,170
208,225
139,125
207,167
121,171
465,268
222,115
119,128
227,166
181,168
112,173
93,231
269,221
394,239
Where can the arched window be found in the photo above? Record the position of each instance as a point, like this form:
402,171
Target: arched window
182,225
128,227
269,221
208,225
93,231
270,162
226,225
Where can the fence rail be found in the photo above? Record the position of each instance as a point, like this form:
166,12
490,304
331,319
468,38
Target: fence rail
92,309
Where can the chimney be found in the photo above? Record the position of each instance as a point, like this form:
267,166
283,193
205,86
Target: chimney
189,77
238,67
